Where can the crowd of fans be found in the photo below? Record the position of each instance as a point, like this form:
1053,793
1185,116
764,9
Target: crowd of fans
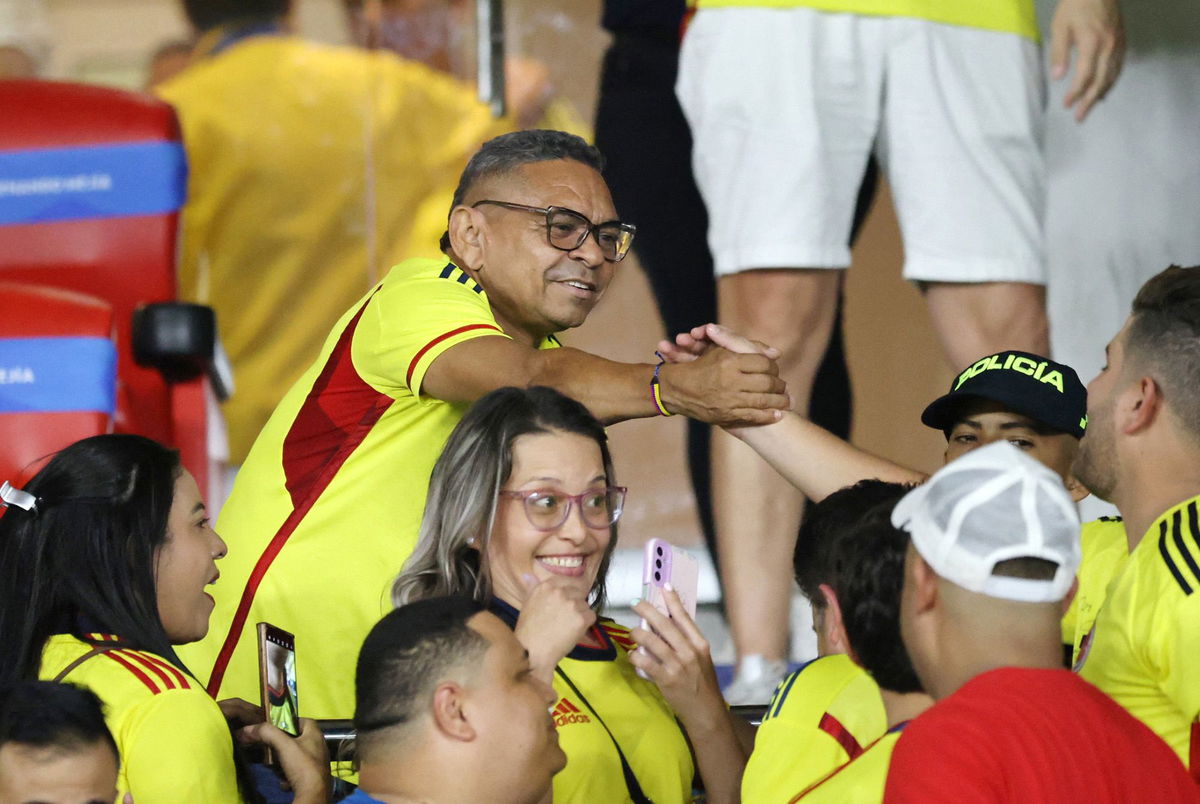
431,507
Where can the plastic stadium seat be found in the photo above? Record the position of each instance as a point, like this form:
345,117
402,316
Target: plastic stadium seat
91,181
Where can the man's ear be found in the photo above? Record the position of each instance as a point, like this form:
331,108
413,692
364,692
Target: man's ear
1139,405
1077,490
832,627
925,582
449,712
467,237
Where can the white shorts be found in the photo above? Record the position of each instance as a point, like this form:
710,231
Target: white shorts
785,106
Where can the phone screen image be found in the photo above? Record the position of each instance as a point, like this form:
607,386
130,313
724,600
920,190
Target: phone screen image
278,657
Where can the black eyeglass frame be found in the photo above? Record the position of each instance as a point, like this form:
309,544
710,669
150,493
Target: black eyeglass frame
592,229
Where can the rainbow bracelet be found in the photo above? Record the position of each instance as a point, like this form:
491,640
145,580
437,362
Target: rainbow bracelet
656,391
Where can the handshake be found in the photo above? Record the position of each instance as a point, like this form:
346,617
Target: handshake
717,376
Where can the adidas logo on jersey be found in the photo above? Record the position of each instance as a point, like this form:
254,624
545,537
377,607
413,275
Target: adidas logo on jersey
566,713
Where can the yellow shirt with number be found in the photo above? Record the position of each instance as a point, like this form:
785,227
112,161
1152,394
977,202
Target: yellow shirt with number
821,716
1144,649
307,164
173,740
327,506
1009,16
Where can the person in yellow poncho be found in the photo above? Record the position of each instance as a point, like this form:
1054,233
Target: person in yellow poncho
307,166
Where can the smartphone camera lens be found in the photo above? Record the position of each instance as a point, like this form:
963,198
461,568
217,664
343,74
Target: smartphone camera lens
658,563
658,576
658,550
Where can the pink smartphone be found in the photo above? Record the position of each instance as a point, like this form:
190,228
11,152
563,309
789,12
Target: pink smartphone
665,564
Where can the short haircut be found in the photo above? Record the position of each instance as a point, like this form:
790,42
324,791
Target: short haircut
848,542
1029,568
59,717
506,153
207,14
405,656
1164,339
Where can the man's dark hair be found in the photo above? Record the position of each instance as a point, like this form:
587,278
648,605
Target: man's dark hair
407,654
508,152
848,542
46,715
207,14
1164,339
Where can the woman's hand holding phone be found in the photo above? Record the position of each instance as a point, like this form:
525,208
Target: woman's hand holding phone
554,618
674,654
304,760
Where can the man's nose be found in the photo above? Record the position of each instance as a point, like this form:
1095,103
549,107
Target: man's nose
589,251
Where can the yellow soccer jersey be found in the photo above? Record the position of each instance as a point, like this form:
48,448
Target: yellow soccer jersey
307,166
1009,16
1105,550
327,506
820,718
1144,646
595,682
862,779
173,740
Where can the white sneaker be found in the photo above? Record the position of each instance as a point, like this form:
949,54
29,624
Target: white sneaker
755,681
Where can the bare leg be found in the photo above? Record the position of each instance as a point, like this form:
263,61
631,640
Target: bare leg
757,512
977,319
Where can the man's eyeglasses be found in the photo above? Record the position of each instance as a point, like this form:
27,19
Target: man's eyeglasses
567,229
547,509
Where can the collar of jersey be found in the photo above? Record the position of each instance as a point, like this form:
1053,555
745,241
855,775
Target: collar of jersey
583,653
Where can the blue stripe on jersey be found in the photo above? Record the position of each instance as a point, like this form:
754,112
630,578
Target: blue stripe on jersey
1184,550
1170,562
782,691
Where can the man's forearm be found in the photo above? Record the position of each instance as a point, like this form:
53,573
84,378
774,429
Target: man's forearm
612,391
816,461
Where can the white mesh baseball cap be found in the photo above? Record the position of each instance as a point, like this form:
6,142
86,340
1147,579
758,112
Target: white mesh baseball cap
993,504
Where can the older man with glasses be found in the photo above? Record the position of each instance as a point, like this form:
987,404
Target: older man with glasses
328,503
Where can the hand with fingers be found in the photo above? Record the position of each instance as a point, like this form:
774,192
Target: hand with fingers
239,712
674,654
304,759
554,618
720,386
1093,29
689,345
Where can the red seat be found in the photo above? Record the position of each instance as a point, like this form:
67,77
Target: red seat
53,344
91,180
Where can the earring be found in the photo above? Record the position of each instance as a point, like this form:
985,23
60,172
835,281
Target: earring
471,540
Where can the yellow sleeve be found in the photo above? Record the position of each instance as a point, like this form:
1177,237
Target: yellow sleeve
177,747
1180,643
818,712
413,318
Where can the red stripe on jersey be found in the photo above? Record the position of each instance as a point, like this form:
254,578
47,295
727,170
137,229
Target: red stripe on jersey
149,665
834,728
142,677
1194,753
181,679
337,415
412,366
